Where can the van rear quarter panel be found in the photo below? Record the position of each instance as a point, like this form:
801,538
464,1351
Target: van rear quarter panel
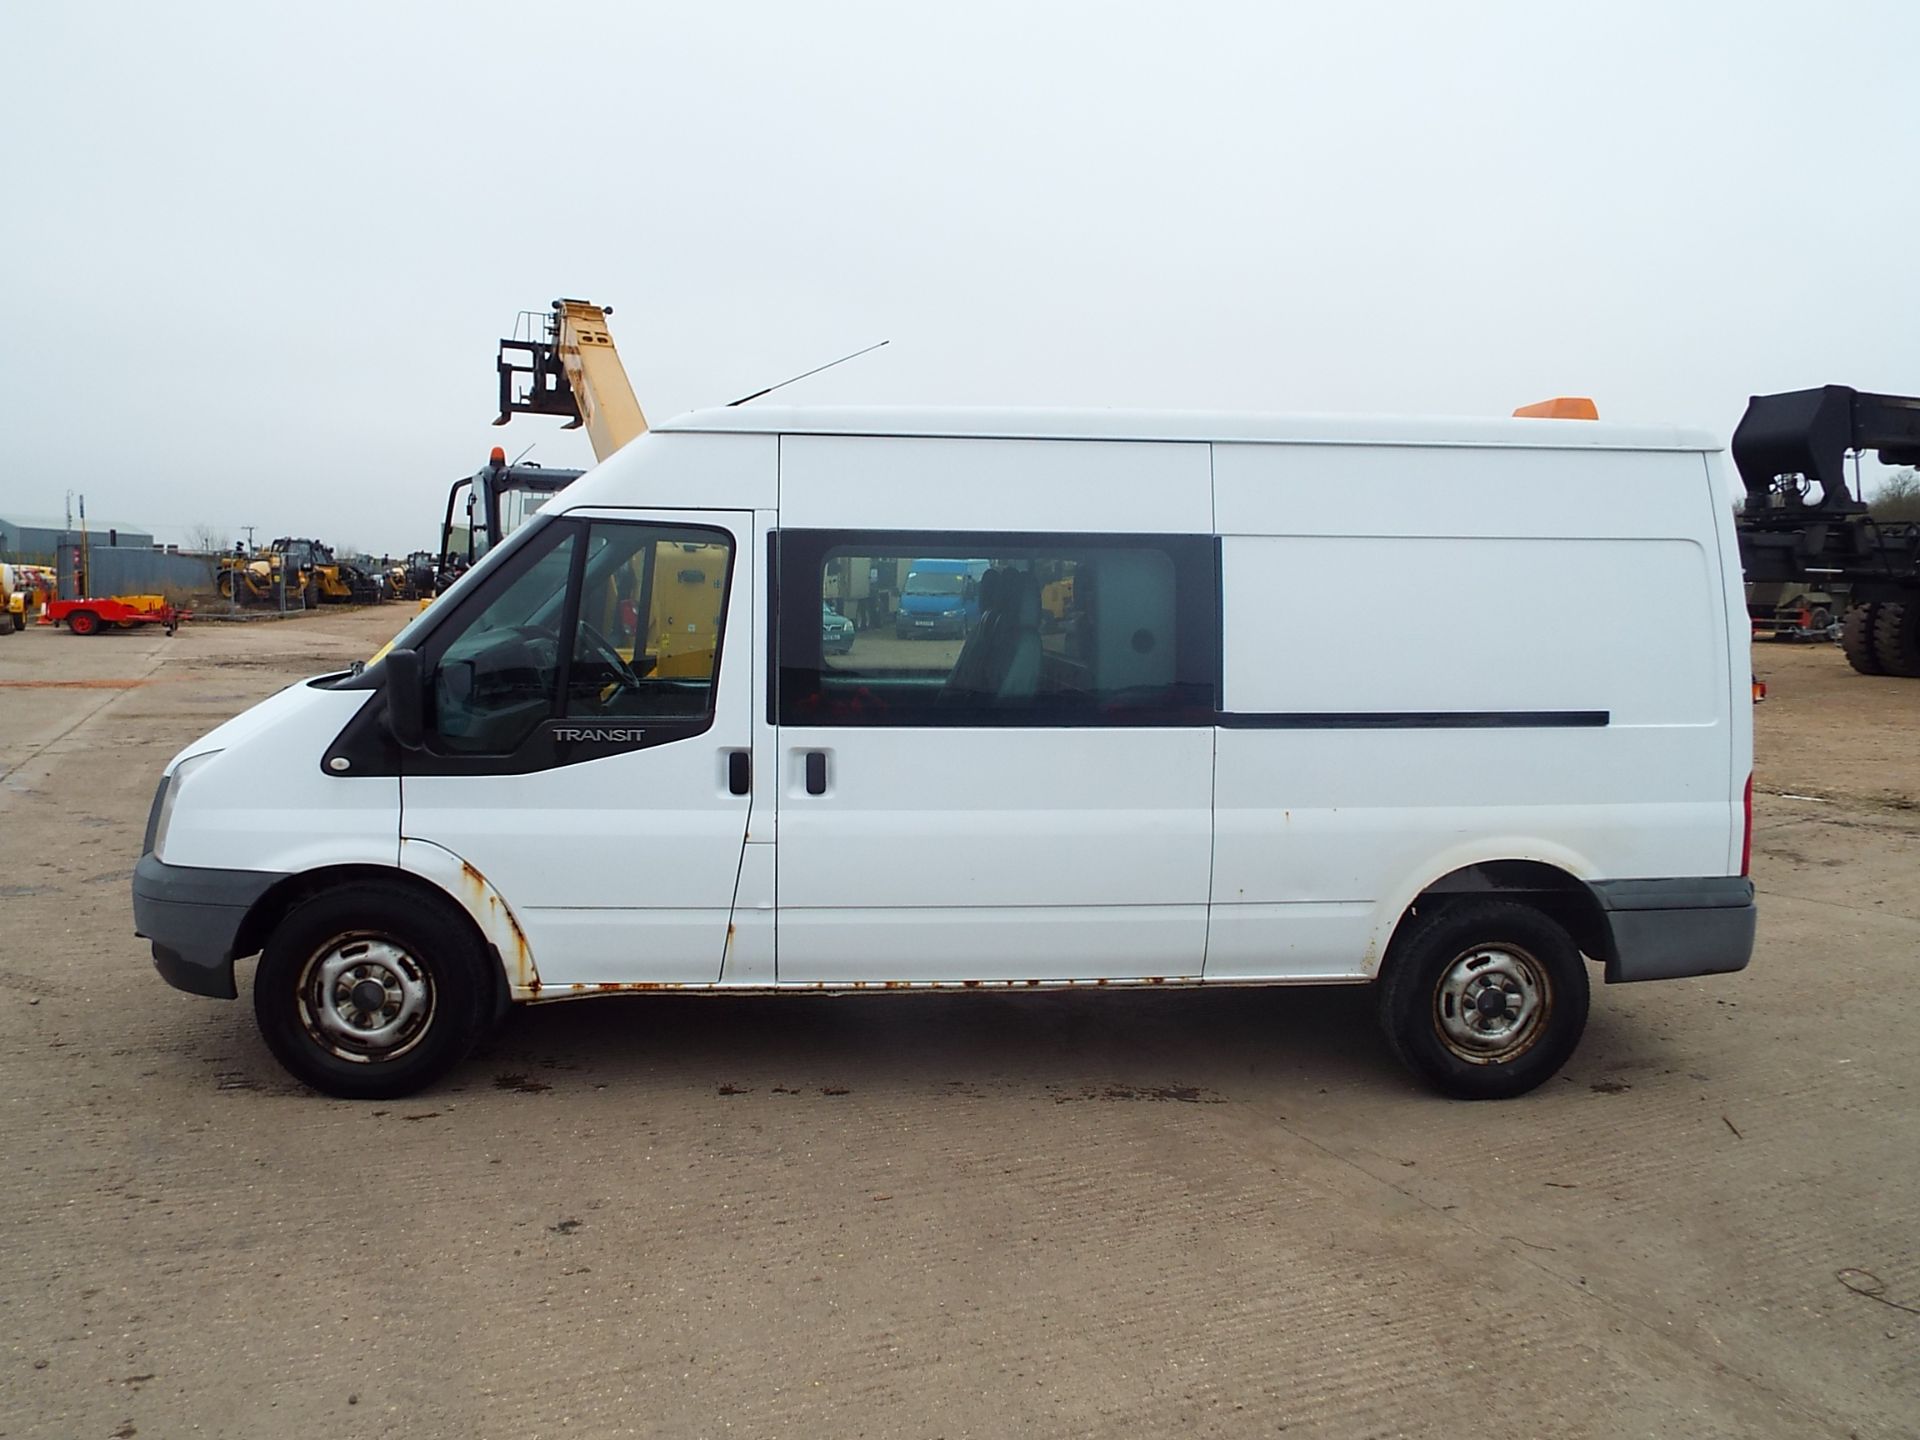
1391,580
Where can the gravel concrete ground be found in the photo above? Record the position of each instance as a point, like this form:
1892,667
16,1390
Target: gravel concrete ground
1114,1215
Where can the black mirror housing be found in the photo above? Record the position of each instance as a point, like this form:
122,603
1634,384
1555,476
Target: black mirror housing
406,698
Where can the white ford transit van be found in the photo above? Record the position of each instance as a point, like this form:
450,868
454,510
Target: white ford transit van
1447,707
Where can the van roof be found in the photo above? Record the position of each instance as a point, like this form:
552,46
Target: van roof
1190,425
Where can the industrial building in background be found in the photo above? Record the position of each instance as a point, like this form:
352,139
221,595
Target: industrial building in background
27,538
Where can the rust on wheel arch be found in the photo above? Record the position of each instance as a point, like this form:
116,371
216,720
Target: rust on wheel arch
524,973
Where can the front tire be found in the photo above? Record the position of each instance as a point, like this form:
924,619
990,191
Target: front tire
1484,999
372,991
1856,638
1896,638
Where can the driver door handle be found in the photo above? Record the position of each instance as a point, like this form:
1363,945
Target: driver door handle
739,772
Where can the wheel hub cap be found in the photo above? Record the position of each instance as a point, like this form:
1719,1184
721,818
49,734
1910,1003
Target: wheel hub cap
1490,1003
366,999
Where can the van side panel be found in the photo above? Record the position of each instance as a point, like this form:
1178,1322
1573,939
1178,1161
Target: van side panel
905,483
979,852
1439,656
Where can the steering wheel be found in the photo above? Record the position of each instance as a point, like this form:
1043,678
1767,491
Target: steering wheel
625,678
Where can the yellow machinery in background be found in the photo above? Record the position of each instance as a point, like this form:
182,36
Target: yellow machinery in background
24,590
312,574
571,369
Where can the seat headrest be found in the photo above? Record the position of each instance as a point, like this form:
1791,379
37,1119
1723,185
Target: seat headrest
1020,598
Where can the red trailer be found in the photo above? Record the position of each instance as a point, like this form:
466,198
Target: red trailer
91,616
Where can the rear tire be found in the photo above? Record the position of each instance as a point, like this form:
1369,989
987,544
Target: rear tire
1856,638
1896,637
1484,999
84,622
372,991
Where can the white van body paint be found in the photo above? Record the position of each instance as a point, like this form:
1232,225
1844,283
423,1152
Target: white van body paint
1379,580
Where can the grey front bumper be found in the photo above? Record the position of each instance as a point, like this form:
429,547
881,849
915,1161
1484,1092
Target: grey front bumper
1667,929
192,916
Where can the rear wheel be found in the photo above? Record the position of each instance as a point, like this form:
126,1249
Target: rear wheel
1856,639
83,622
372,991
1896,637
1484,999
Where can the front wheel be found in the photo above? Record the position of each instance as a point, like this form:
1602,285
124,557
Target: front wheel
83,622
1896,638
1856,638
1484,999
372,991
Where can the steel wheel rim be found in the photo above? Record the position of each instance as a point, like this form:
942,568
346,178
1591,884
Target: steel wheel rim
1491,1004
365,999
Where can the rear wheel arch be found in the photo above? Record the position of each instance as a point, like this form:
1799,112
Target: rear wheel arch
1558,894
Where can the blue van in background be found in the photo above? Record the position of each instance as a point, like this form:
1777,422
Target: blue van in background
940,598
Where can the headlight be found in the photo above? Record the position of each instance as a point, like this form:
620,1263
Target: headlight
169,795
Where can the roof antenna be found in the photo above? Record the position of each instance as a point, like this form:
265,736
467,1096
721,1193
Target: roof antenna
805,373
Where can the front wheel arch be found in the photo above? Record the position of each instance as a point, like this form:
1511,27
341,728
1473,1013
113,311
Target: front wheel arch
280,900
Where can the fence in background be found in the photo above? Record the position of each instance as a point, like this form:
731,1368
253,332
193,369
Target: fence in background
118,571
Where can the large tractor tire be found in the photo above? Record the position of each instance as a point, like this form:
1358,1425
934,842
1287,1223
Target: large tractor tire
1856,639
1896,637
224,584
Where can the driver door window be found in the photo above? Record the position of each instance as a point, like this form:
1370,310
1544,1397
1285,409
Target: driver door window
641,608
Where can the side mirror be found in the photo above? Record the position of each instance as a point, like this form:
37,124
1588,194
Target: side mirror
406,698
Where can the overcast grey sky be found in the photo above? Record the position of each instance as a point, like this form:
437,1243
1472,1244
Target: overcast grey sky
256,255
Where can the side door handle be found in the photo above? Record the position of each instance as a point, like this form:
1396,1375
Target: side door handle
739,772
816,772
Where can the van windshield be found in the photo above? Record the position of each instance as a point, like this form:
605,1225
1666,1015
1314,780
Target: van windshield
417,628
919,584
